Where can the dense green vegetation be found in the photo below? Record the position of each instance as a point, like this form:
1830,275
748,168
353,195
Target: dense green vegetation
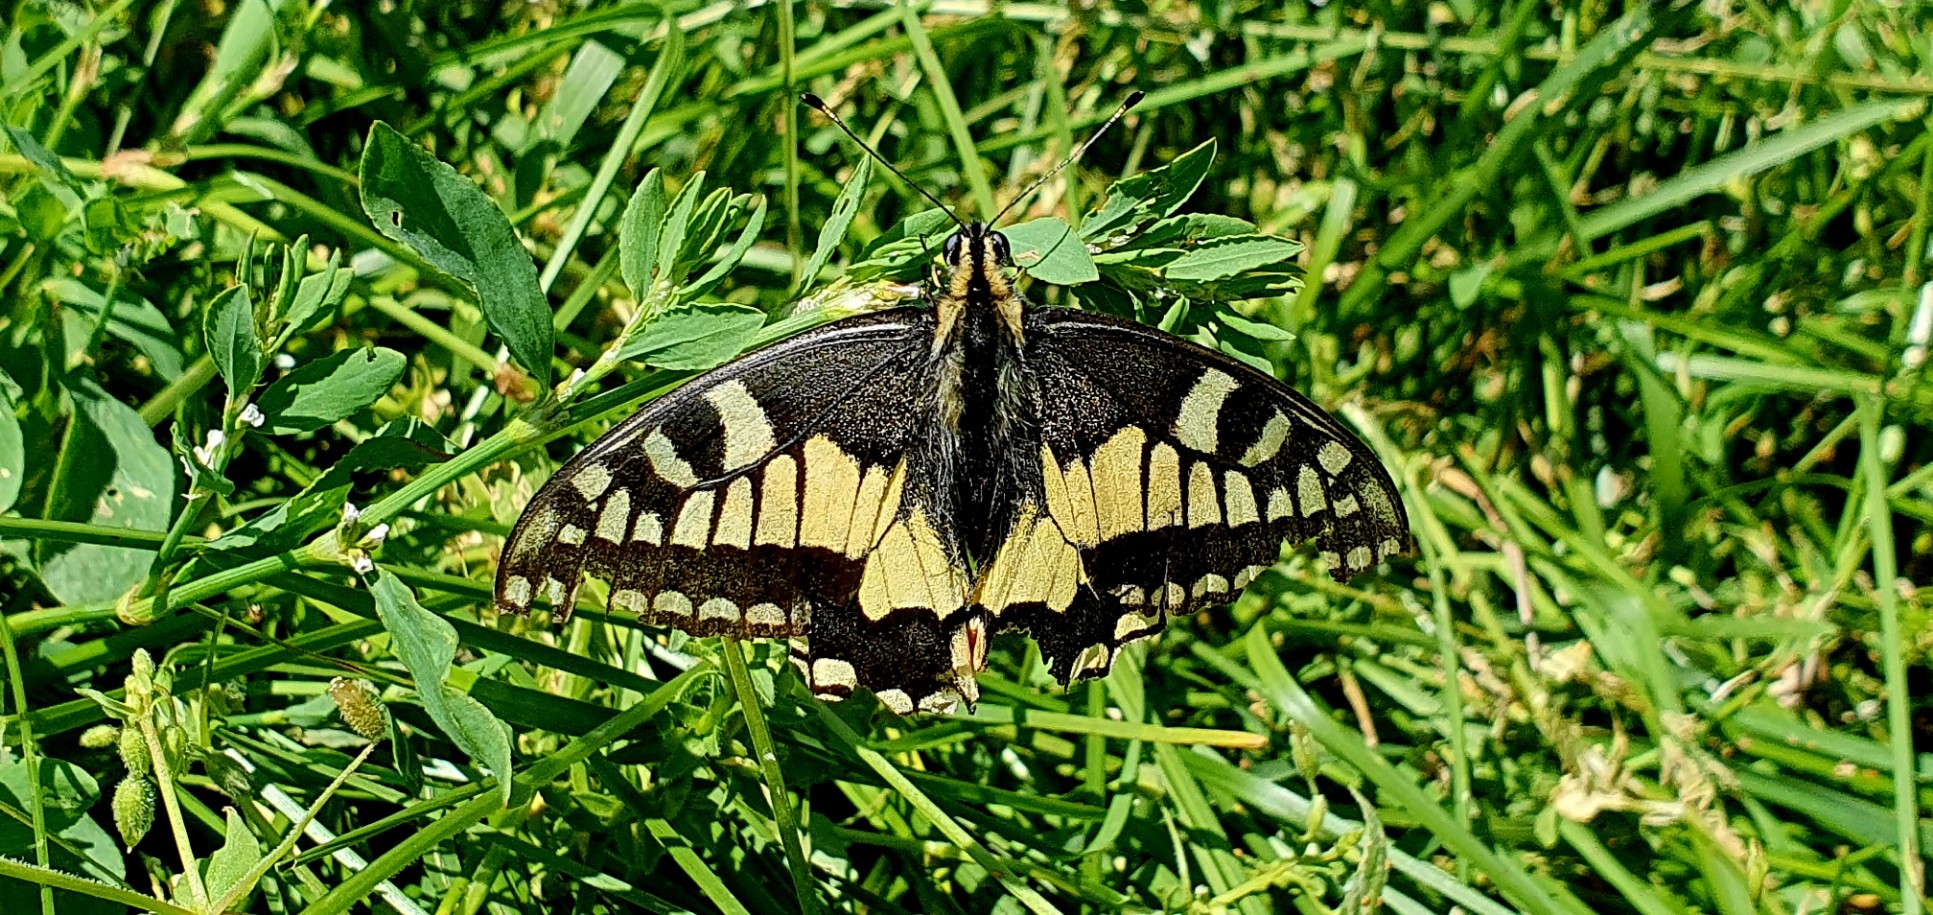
1632,299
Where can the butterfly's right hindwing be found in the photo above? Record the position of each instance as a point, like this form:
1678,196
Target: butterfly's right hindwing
751,502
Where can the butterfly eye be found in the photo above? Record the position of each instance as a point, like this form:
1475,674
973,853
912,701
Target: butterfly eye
1001,254
952,250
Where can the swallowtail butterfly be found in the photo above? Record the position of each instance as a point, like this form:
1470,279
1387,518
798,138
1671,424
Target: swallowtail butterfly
891,490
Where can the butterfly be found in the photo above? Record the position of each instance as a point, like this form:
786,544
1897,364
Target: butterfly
894,489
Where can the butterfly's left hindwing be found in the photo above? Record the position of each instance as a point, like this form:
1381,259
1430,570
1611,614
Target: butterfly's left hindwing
1168,477
772,497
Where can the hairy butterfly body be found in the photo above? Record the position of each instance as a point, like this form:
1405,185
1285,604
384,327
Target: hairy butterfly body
893,489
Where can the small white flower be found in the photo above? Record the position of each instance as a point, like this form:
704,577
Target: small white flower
205,454
361,562
253,417
284,361
350,512
376,535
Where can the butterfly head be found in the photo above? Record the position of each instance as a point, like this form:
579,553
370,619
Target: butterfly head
977,247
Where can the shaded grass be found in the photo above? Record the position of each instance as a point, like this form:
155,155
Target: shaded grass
1627,305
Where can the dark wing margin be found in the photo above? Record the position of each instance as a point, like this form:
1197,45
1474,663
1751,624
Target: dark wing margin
1170,477
753,500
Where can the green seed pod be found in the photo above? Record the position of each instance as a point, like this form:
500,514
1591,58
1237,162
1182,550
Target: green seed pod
100,736
229,776
361,709
140,683
134,752
133,809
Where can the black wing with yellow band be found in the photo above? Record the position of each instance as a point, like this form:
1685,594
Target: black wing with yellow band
787,494
1169,476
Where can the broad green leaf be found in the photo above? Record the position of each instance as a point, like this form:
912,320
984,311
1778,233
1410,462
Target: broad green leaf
413,198
426,644
329,389
638,234
135,321
1226,257
13,452
836,224
111,473
730,259
228,330
1049,251
66,791
231,863
695,337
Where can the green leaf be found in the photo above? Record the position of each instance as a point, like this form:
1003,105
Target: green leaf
638,234
111,473
314,294
695,337
66,791
426,644
1150,195
671,238
398,446
329,389
232,862
413,198
732,256
1050,252
135,321
834,230
1248,327
1226,257
228,330
13,452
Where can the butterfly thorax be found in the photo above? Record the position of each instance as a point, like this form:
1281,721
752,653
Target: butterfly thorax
980,359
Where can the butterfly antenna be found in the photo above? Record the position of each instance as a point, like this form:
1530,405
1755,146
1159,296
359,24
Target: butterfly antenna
1132,99
818,104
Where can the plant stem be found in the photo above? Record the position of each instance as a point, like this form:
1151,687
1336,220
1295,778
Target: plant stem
164,779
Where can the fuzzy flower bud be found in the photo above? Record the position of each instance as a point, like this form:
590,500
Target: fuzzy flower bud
361,709
100,736
133,809
134,751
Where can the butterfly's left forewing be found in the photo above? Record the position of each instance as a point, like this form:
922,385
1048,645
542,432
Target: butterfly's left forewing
787,495
1168,477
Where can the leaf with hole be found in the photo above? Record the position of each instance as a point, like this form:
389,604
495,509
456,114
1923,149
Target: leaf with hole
413,198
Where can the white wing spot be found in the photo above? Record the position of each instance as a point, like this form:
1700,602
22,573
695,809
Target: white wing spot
571,535
1333,457
897,700
1274,434
591,482
1347,506
1197,424
517,591
834,672
628,599
615,519
1309,487
1280,505
718,608
748,433
1210,584
765,615
666,462
649,529
672,603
